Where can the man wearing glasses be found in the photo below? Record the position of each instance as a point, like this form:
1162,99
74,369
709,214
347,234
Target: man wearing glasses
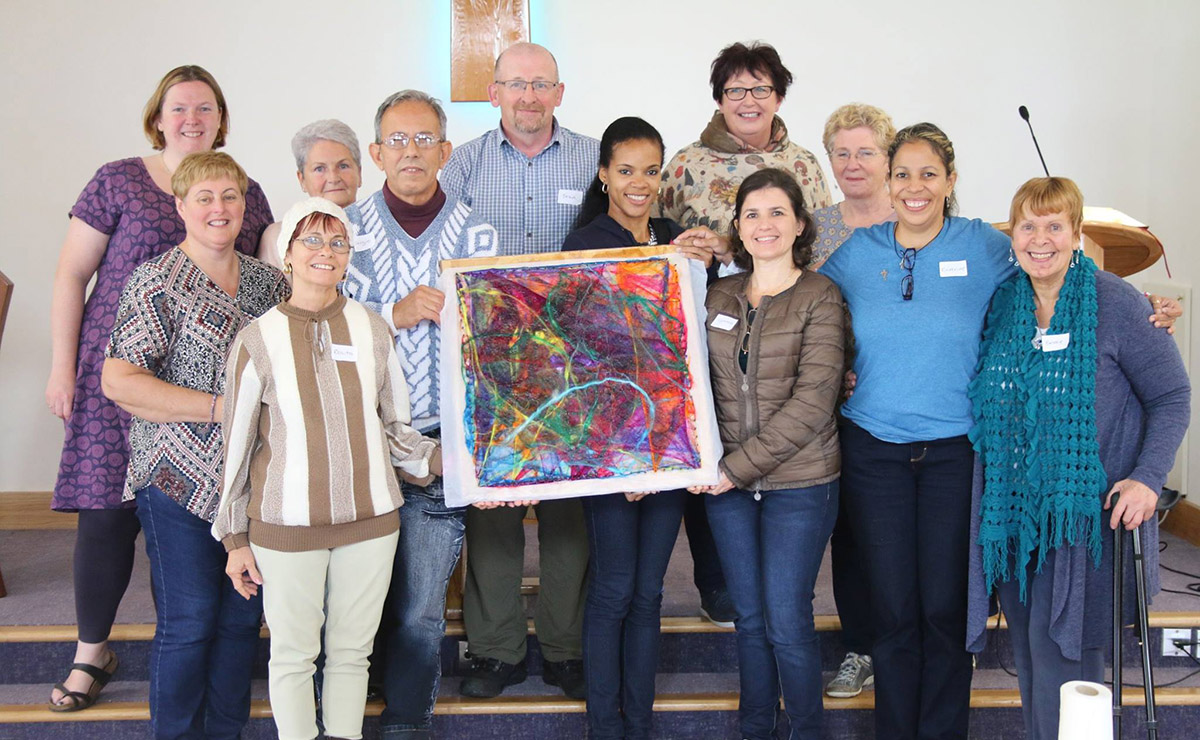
400,234
527,177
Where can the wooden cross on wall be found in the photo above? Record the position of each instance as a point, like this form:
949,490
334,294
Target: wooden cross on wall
480,31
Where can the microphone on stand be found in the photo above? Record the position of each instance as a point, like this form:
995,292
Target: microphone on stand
1024,112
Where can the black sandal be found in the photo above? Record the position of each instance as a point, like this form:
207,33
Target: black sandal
74,701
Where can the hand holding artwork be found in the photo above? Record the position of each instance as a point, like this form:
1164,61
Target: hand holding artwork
243,572
633,497
723,485
485,505
422,304
1135,505
703,244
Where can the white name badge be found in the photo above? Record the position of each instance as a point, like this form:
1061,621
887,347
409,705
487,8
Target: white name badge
570,197
345,353
1055,342
724,322
956,268
360,242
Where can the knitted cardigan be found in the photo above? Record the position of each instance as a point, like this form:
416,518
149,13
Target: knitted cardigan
1143,403
388,264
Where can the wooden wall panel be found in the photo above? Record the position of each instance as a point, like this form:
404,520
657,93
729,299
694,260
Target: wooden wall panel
481,29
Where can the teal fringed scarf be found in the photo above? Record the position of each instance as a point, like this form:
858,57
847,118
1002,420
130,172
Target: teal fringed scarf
1035,428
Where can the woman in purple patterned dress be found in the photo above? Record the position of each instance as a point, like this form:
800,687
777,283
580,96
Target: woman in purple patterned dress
125,216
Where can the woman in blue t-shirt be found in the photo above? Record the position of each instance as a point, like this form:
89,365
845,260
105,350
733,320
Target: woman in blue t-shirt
918,291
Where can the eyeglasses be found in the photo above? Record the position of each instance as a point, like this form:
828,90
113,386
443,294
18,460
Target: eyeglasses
314,242
760,92
423,140
862,155
907,260
540,87
745,347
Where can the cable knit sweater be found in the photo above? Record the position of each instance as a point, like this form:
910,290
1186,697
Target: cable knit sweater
701,181
316,412
388,264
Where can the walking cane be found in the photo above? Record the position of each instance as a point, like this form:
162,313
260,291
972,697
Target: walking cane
1139,574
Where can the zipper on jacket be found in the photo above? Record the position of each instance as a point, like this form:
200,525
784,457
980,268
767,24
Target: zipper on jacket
752,362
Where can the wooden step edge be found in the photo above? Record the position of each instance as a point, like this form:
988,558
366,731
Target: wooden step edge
1183,521
701,702
670,625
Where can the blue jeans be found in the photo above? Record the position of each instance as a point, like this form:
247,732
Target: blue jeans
206,638
911,509
630,545
414,616
771,544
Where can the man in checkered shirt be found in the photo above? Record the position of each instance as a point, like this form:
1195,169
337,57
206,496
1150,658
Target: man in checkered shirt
527,178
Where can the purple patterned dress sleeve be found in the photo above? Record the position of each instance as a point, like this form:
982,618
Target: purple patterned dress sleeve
122,201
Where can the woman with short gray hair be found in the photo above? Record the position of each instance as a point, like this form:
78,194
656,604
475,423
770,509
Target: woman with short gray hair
328,165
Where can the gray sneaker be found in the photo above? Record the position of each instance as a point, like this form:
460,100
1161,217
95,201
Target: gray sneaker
855,673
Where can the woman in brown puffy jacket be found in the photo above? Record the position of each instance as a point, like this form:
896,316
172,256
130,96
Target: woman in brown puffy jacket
776,350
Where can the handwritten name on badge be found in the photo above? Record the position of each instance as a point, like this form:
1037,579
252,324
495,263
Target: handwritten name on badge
570,197
360,242
345,353
724,322
955,268
1055,342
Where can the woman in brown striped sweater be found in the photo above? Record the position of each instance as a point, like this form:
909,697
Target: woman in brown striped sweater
316,415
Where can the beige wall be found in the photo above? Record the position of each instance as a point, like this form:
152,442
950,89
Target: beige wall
1107,82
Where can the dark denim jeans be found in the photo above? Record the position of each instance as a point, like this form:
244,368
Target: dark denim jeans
911,507
206,638
771,545
630,546
851,585
706,564
414,616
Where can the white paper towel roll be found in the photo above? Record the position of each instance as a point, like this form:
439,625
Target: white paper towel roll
1085,711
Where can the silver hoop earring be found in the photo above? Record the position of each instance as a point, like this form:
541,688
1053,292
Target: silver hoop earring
1012,256
604,188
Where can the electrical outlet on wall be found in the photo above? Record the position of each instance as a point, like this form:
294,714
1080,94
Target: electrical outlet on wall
1170,637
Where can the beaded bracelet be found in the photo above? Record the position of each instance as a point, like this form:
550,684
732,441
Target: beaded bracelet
212,410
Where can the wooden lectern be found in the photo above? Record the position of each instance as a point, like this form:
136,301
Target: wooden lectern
1114,241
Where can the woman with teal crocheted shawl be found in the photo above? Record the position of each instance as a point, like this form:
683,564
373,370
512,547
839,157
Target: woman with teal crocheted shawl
1036,400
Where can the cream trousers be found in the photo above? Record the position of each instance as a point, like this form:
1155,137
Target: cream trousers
344,590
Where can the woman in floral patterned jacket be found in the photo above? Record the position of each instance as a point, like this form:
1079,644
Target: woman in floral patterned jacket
744,135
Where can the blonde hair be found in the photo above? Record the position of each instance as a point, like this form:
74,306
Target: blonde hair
853,115
1043,196
202,166
153,111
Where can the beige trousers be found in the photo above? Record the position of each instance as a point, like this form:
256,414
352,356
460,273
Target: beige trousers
344,590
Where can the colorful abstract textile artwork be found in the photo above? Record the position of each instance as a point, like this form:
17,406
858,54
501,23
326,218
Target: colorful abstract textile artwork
575,372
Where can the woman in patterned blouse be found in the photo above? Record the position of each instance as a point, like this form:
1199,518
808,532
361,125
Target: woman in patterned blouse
857,138
176,320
